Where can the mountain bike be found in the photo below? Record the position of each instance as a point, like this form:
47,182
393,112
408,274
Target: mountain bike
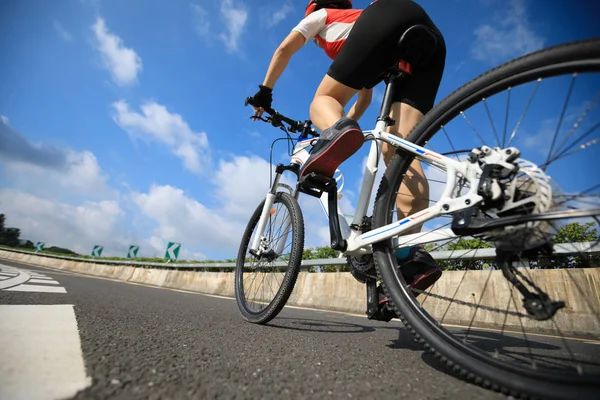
492,197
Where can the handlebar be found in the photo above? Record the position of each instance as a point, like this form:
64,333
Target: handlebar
276,119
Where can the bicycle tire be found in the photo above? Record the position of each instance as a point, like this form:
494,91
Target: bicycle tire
295,258
582,56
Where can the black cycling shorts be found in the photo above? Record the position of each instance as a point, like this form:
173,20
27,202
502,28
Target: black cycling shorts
370,51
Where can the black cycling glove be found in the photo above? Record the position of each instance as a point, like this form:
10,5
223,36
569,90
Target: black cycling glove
263,98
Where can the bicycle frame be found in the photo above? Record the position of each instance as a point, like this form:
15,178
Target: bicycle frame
360,243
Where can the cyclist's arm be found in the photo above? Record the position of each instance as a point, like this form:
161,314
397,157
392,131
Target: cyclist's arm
362,103
291,44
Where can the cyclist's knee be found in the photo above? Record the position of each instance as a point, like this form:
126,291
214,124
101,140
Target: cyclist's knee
337,90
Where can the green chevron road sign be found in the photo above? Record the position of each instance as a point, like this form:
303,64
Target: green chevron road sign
172,251
132,253
39,246
97,251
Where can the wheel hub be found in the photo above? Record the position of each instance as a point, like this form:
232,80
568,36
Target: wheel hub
510,186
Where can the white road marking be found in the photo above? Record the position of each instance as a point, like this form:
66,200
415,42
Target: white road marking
7,274
21,280
41,353
45,281
591,342
37,288
18,279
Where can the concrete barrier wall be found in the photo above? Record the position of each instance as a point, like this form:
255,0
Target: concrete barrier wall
477,291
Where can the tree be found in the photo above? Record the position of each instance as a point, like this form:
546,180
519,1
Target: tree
462,264
323,252
569,233
10,237
573,233
60,250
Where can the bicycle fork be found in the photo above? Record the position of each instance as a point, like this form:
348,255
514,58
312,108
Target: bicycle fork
258,245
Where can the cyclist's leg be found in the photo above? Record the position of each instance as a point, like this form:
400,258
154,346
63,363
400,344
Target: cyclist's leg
328,104
414,192
340,136
415,98
411,103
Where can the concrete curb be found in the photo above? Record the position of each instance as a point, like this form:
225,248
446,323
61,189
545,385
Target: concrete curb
580,288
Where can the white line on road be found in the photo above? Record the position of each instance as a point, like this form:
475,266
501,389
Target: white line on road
41,353
37,288
45,281
21,277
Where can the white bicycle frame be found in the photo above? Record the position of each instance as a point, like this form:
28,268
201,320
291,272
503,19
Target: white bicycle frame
360,243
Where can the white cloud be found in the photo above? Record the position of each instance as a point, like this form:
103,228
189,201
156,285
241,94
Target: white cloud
235,19
184,220
511,35
77,227
122,62
201,20
62,32
55,172
4,119
241,184
157,124
274,17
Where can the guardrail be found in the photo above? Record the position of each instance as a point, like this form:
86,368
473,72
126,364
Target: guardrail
479,254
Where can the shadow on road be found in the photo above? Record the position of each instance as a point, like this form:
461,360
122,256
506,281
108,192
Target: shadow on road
313,325
517,350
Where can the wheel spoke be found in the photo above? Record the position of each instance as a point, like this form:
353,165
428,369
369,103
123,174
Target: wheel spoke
562,115
563,153
577,123
472,127
492,123
451,144
506,116
514,133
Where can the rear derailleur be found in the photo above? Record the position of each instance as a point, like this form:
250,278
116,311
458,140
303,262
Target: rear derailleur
537,304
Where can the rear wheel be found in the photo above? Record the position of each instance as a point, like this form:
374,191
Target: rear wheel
263,283
473,319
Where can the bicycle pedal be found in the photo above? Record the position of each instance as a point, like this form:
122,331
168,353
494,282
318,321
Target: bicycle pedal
314,185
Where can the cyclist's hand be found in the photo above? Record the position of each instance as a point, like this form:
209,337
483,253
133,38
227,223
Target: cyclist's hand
262,100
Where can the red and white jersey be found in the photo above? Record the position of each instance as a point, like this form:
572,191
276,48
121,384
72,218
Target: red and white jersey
330,28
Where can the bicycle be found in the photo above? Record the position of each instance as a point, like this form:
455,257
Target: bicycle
491,195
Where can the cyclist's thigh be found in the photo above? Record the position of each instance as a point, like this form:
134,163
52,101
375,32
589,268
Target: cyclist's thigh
419,89
371,46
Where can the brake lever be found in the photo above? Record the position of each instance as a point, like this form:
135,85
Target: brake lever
255,117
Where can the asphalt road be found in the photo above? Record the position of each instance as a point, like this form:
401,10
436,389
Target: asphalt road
146,342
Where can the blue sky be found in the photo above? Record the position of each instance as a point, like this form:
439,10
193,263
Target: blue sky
123,122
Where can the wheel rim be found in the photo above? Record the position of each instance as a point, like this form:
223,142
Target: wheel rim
262,278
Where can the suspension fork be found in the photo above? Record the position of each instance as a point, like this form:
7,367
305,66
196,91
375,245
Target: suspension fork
265,214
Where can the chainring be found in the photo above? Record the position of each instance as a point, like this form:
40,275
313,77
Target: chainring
362,267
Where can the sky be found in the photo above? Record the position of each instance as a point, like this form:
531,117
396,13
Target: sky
123,122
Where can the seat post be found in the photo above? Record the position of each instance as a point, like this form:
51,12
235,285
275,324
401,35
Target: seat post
388,96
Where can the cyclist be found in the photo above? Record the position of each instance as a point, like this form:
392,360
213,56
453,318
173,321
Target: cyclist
362,44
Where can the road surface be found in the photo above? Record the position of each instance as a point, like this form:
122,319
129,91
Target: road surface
110,339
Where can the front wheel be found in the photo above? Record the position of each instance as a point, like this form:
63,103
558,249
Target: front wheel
264,282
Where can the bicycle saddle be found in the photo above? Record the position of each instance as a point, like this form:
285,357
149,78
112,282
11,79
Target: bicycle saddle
417,45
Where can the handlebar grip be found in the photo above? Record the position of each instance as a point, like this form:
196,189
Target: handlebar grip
248,100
